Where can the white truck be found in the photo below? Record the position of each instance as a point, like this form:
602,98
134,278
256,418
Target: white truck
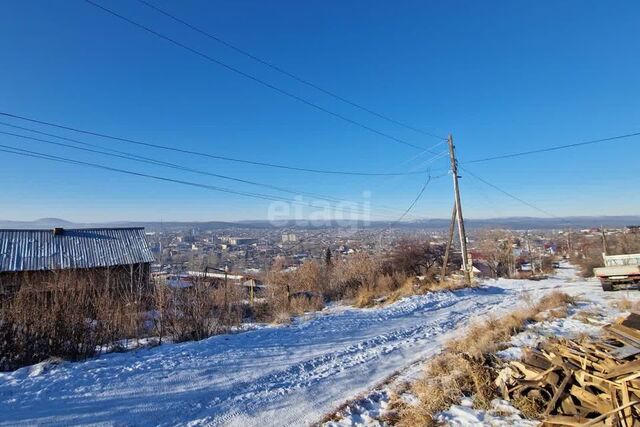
621,271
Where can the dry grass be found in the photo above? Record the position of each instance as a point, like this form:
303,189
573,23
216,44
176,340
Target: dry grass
304,304
449,377
588,316
531,407
448,285
282,317
553,300
465,367
626,304
408,288
364,298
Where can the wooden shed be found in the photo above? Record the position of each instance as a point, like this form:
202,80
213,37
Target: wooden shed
118,257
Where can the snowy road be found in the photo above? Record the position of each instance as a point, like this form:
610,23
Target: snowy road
289,375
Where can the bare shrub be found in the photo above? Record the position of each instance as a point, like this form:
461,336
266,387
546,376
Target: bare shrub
198,311
416,257
303,303
309,277
495,247
68,315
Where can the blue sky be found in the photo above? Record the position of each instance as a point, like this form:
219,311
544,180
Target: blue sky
500,76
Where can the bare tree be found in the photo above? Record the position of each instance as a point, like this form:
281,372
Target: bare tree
495,248
416,256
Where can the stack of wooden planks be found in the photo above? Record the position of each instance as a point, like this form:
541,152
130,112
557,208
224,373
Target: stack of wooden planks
588,382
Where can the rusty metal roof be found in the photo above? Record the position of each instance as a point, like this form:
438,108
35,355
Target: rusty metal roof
31,250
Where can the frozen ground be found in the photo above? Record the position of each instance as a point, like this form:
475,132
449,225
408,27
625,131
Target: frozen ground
369,408
292,375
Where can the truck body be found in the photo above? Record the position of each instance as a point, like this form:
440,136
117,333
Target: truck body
619,271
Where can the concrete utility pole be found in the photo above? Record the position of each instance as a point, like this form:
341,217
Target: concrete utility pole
445,261
461,231
605,246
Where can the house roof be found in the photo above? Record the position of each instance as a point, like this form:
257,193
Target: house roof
33,250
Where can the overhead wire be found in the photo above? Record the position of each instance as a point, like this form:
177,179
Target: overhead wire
555,148
209,155
285,72
252,77
393,224
514,197
60,159
149,160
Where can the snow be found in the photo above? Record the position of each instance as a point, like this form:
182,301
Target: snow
364,412
591,300
285,375
501,414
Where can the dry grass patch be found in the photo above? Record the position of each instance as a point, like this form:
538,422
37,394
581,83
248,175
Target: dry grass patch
448,378
364,298
531,407
304,304
282,317
553,300
449,285
467,365
626,304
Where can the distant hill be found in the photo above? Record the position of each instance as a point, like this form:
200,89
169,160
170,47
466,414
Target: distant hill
44,223
513,223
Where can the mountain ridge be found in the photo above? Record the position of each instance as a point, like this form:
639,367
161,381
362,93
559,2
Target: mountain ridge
515,223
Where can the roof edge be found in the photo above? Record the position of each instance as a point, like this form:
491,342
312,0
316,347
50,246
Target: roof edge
72,229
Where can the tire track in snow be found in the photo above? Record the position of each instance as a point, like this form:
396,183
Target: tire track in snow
277,385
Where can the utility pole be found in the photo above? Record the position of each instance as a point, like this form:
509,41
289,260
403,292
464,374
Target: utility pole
458,204
445,260
605,247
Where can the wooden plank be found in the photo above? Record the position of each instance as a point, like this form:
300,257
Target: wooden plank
627,368
590,400
628,415
616,404
632,321
609,413
625,352
552,404
563,420
568,407
625,334
529,372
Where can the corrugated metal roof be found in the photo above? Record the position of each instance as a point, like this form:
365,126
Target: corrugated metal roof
30,250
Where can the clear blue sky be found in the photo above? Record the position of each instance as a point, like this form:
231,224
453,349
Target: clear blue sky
500,76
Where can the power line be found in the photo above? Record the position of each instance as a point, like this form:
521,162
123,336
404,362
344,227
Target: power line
413,203
558,147
252,77
60,159
149,160
506,193
394,223
208,155
288,73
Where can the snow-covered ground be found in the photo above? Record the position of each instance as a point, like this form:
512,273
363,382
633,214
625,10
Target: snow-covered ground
594,310
285,375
